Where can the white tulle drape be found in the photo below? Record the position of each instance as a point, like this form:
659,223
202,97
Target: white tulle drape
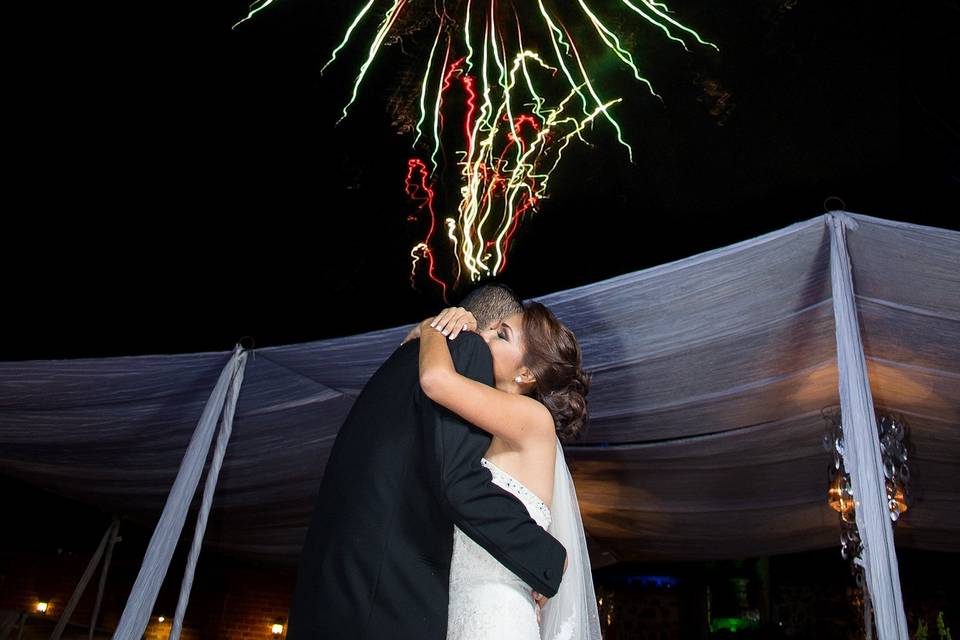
572,613
136,613
861,455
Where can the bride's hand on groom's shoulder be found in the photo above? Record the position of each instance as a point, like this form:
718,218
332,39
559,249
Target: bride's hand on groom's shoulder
452,320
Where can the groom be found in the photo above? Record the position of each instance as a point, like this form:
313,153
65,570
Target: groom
403,470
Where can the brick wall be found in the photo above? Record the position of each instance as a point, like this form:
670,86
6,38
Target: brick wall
242,603
228,601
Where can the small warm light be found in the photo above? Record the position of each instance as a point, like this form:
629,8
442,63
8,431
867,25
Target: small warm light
42,607
899,501
161,618
278,628
839,499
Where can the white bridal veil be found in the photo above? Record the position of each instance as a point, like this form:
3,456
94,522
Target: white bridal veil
572,613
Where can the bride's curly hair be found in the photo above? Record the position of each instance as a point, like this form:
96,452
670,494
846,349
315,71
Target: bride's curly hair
553,356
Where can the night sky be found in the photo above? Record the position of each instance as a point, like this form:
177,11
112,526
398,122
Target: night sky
177,186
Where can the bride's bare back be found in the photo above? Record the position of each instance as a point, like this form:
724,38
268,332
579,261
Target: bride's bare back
532,465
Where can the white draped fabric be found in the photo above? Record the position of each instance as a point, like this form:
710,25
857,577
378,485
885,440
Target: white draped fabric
705,434
861,448
143,596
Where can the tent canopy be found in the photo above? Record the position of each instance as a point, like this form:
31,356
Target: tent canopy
710,375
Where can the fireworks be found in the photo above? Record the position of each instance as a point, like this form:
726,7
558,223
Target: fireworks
504,86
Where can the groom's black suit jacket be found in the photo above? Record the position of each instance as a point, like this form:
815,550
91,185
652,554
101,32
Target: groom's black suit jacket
403,470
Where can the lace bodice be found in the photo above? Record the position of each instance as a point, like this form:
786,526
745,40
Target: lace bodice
486,599
535,506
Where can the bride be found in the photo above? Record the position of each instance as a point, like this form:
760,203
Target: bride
539,400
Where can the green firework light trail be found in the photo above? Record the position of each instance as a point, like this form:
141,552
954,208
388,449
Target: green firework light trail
518,107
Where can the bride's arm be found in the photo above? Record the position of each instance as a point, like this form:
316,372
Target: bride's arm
512,417
491,517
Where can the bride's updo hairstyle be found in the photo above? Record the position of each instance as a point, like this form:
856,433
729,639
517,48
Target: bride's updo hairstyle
552,354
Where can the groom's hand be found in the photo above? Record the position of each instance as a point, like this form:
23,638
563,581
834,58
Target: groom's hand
541,603
541,599
413,335
416,331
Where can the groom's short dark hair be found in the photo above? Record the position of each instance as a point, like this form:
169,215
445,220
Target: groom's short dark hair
490,302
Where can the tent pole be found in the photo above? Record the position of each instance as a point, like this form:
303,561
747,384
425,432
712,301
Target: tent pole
23,624
81,586
103,576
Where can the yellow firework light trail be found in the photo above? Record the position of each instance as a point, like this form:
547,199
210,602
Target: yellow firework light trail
507,109
388,21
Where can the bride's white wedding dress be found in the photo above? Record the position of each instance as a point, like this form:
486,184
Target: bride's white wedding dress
489,602
486,599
